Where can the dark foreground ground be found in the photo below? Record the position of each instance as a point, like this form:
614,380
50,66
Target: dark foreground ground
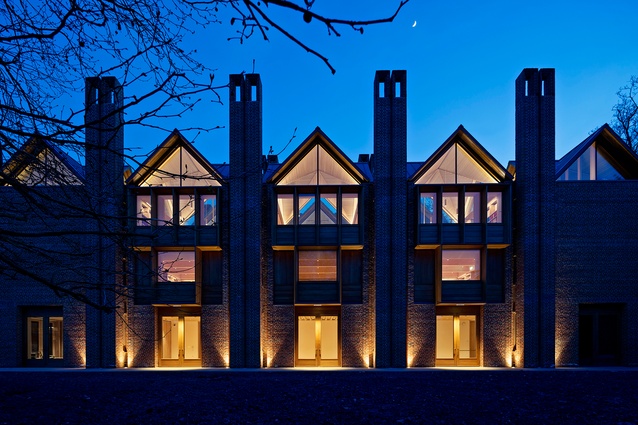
320,397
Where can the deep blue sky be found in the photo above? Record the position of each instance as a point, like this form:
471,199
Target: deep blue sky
462,58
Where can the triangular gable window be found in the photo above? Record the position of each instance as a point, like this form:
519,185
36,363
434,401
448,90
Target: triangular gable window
47,170
456,166
317,168
180,169
593,164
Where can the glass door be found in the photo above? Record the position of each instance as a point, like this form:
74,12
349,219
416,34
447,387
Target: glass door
44,337
457,340
180,341
318,337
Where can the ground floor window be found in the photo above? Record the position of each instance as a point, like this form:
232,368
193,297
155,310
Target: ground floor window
44,336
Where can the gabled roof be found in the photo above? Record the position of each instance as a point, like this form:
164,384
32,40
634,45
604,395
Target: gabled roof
473,148
625,161
316,138
29,154
204,173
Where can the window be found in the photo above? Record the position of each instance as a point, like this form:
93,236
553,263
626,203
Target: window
285,208
317,266
494,207
44,336
306,209
328,208
176,266
461,264
472,207
450,212
37,350
144,210
593,164
208,210
197,207
186,210
165,210
427,208
325,206
350,208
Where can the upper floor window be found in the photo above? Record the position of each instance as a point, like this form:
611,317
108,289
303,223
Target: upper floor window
318,266
176,266
318,208
187,209
469,210
461,264
593,164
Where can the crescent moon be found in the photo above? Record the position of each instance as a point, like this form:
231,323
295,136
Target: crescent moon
414,24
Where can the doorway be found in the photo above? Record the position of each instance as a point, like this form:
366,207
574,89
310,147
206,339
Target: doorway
318,336
44,336
599,334
457,337
180,337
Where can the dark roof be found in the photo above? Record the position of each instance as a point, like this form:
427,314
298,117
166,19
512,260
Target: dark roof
473,147
317,136
27,153
625,160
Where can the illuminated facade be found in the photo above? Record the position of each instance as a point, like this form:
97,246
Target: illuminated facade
319,260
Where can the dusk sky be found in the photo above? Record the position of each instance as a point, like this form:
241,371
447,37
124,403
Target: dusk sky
461,57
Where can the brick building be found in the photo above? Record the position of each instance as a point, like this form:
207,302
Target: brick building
319,260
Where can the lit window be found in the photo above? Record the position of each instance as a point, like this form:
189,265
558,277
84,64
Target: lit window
593,164
427,208
328,208
350,208
318,266
165,210
461,264
450,212
175,266
208,207
144,210
186,210
285,209
472,207
494,207
306,213
36,338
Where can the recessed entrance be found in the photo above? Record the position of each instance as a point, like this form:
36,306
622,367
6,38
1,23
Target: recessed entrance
599,334
318,336
180,338
44,336
457,337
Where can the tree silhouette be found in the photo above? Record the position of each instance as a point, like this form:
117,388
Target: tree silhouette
625,119
47,52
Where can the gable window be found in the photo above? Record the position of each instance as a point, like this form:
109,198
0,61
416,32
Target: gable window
594,164
461,264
